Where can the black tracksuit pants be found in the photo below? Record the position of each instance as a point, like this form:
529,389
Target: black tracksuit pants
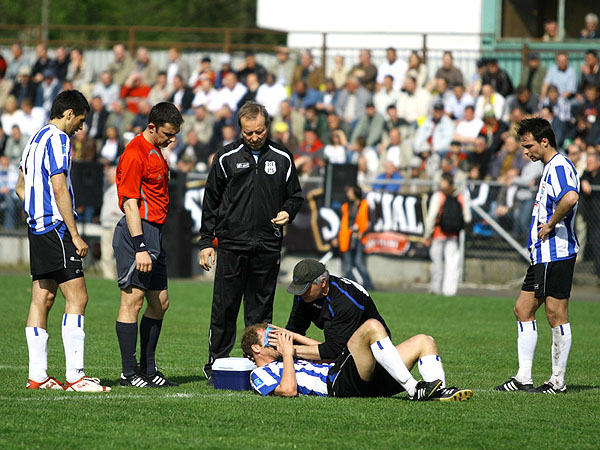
250,274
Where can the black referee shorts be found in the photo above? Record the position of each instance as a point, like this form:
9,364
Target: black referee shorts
345,381
553,279
53,256
127,274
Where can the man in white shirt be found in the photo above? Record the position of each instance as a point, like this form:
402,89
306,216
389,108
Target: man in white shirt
271,94
394,67
230,94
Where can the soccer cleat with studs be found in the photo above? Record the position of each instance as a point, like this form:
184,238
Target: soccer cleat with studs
424,390
549,388
451,394
86,384
514,385
48,383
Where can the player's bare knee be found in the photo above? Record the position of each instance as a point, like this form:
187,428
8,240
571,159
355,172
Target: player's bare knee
164,304
373,327
426,343
44,301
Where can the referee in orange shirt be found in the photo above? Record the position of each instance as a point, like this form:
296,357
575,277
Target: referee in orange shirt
142,185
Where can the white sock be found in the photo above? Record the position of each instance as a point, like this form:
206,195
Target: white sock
526,342
73,341
387,355
37,343
561,346
431,369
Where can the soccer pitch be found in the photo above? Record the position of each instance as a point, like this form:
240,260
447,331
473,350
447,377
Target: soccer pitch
476,337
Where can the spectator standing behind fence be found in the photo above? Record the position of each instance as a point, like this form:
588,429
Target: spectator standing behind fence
590,31
121,66
271,94
448,71
590,72
498,78
561,75
416,68
308,71
24,87
392,66
352,102
446,216
550,31
365,70
284,68
177,66
591,208
252,191
17,62
533,74
351,237
145,67
339,72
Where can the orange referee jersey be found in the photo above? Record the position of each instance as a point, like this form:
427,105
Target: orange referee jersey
143,174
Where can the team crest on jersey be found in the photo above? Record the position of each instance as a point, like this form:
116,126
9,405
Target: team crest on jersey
270,167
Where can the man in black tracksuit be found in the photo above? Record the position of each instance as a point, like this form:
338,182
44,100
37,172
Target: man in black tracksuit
336,305
251,192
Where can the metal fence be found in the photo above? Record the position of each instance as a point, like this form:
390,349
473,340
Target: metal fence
495,246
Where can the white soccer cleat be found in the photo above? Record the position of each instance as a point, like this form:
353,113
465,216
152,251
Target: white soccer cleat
48,383
86,384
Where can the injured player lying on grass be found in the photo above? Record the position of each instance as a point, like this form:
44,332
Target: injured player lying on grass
370,366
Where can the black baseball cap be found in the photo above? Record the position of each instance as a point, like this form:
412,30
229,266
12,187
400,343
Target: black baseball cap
305,272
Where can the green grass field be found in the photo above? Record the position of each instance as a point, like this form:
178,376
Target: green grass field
476,337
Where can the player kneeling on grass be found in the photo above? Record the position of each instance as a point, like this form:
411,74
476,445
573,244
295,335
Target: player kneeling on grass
370,366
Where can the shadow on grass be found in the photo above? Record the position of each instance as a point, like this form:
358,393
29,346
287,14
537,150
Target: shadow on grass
181,380
581,388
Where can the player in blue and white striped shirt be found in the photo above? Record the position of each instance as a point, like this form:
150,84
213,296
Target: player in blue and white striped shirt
553,248
55,246
370,366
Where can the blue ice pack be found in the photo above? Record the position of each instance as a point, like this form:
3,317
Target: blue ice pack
267,331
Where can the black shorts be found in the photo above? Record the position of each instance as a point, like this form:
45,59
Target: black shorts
127,274
344,380
53,256
551,279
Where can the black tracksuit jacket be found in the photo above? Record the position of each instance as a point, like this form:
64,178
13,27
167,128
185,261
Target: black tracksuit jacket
242,196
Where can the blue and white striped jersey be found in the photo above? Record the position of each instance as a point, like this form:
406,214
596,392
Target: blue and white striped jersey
311,377
47,153
558,178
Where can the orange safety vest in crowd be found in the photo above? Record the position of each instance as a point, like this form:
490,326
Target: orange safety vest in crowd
362,220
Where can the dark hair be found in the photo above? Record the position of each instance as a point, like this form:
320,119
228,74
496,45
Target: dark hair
71,99
358,193
165,112
592,52
539,129
449,178
252,110
521,89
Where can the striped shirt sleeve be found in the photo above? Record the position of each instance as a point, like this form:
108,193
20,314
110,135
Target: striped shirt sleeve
565,180
57,149
265,379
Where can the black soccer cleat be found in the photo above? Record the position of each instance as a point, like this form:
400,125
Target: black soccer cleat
158,380
514,385
549,388
451,394
208,373
424,390
136,380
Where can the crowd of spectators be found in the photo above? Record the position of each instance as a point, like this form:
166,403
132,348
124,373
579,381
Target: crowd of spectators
391,119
